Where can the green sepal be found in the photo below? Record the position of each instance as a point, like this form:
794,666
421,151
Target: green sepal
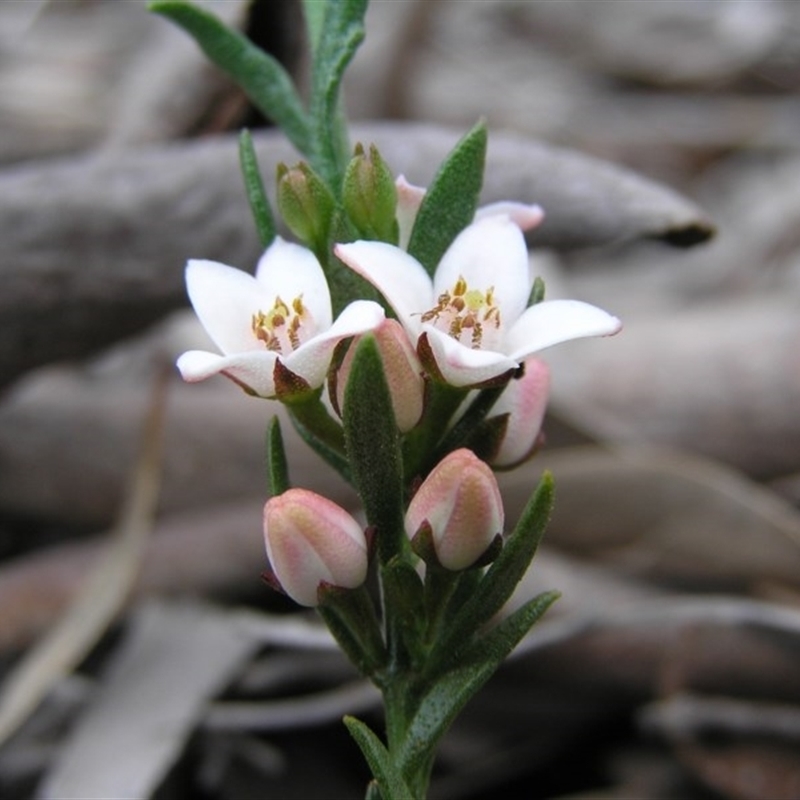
450,203
500,579
336,42
387,775
350,616
537,291
321,432
277,465
373,446
254,187
260,76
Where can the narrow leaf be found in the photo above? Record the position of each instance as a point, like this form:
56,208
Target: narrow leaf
254,186
261,76
390,780
373,446
321,433
341,34
451,200
277,465
452,691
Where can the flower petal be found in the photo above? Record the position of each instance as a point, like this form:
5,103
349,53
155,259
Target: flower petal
462,366
409,199
526,217
252,370
225,299
288,270
399,277
556,321
312,359
489,253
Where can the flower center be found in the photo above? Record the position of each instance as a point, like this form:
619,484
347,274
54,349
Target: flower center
283,328
468,315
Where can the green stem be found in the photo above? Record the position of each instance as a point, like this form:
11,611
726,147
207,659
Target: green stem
321,432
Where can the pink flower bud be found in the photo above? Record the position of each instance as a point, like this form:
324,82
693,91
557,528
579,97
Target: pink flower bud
403,373
461,502
310,540
525,401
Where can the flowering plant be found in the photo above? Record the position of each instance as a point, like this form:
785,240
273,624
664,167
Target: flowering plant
418,312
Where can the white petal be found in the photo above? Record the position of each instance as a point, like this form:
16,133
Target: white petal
463,366
225,300
312,359
556,321
253,369
401,279
526,217
288,270
409,199
489,253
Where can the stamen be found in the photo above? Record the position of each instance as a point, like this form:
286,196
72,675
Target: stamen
283,329
468,315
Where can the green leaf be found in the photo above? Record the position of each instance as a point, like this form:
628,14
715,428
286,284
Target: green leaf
451,200
341,34
389,778
452,691
403,592
254,186
277,466
262,77
350,617
322,433
314,13
500,579
373,446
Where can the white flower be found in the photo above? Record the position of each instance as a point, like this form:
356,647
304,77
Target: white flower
471,322
275,330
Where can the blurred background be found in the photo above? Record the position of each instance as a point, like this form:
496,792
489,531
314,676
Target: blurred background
141,656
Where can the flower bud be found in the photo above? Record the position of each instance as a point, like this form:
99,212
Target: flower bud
403,374
305,203
311,540
525,402
460,502
369,195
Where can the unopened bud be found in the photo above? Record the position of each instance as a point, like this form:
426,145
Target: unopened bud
525,402
369,195
306,204
402,369
312,541
461,505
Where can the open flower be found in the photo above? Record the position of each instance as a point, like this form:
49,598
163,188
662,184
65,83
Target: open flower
275,330
470,322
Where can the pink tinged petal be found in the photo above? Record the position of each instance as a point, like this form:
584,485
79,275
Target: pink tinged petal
526,217
401,279
525,401
555,321
461,502
310,539
252,370
409,199
460,365
225,299
403,374
490,253
288,270
311,360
